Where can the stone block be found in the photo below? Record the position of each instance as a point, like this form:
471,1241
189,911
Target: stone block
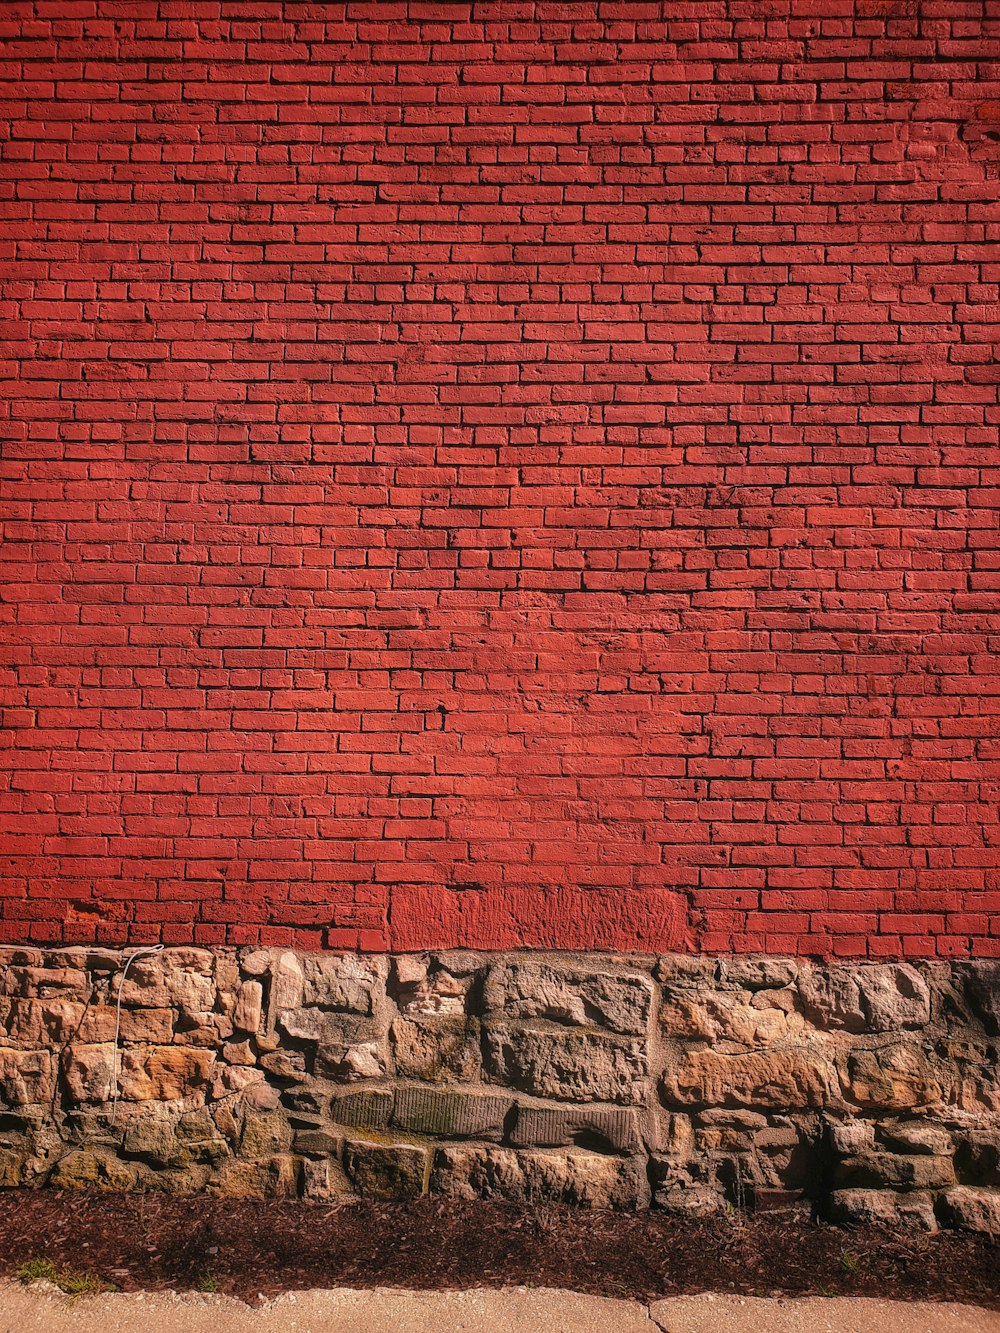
915,1136
586,1179
884,1170
982,989
456,1115
791,1079
385,1171
94,1167
363,1110
352,1064
977,1155
679,971
287,1065
255,962
317,1142
894,1077
437,992
437,1050
604,1128
880,998
165,1073
323,1181
350,983
757,974
181,979
409,969
882,1208
287,987
569,1065
25,1077
249,1007
727,1017
894,996
274,1178
853,1138
970,1209
569,995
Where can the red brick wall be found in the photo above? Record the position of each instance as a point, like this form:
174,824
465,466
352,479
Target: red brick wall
501,473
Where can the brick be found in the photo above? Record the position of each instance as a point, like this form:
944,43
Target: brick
473,485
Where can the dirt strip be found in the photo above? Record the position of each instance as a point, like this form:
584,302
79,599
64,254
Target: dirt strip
259,1250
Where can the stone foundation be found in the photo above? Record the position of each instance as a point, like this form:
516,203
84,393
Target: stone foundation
866,1092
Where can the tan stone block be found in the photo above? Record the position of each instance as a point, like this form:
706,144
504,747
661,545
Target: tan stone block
590,1180
177,978
893,1077
728,1017
249,1007
971,1209
569,994
568,1065
790,1079
437,1050
165,1073
25,1077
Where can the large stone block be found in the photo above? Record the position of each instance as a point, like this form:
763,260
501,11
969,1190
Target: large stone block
733,1017
882,1208
792,1079
385,1171
884,1170
620,1002
175,979
895,1077
364,1110
349,983
455,1115
606,1128
572,1065
26,1077
880,998
441,1049
971,1209
583,1178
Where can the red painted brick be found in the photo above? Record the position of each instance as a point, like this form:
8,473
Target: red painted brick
493,476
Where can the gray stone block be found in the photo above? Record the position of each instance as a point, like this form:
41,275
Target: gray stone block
456,1115
610,1129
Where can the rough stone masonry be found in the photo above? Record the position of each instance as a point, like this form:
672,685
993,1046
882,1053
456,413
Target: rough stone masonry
866,1093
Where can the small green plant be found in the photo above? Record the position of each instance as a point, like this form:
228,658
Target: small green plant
72,1283
207,1282
82,1284
36,1270
849,1262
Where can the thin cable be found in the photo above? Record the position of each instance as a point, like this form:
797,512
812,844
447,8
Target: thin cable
136,953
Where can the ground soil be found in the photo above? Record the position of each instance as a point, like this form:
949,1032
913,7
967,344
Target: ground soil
257,1249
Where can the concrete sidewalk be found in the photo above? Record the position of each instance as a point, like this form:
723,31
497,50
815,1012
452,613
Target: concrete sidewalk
43,1309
